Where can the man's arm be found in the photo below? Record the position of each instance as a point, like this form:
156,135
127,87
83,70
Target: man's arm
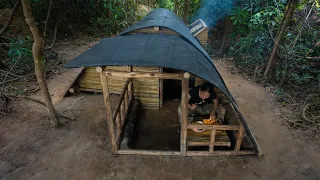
215,107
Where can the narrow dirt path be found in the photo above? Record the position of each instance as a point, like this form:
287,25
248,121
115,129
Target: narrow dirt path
30,149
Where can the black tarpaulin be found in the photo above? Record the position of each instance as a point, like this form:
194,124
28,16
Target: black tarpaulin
169,51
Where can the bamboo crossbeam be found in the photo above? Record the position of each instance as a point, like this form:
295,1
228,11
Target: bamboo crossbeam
218,153
216,127
110,122
144,75
184,115
148,152
239,139
216,143
124,90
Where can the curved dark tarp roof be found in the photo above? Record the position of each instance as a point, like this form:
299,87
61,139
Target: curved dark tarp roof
163,50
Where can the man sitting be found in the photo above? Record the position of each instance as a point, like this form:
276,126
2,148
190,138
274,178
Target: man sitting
202,101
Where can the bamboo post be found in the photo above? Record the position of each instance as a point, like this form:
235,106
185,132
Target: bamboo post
212,139
105,90
239,139
122,113
161,91
130,89
184,113
119,129
126,102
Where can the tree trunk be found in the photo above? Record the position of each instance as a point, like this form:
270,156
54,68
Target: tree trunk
278,41
37,50
175,6
186,10
14,9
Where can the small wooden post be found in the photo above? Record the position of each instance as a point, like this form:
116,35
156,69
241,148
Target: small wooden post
239,139
184,113
105,90
119,129
161,91
130,88
126,105
122,111
212,140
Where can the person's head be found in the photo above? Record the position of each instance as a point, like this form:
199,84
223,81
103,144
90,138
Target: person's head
205,90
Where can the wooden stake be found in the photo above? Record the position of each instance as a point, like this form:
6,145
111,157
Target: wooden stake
184,115
119,129
212,140
126,105
130,88
239,139
122,113
105,90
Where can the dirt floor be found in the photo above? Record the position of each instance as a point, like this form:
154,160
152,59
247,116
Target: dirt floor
30,149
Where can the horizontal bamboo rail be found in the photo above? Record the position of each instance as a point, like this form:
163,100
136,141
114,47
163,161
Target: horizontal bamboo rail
218,153
145,75
216,127
148,152
196,143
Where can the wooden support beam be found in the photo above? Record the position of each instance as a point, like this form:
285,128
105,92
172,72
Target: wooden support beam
216,143
126,105
106,99
212,140
148,152
239,139
184,114
119,129
130,88
122,113
216,127
145,75
218,153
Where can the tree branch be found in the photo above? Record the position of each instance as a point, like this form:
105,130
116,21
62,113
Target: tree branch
14,9
46,23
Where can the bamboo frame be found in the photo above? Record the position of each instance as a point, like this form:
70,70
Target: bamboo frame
122,109
184,115
144,75
104,83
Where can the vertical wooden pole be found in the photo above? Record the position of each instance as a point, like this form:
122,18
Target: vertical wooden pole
106,98
184,113
239,139
161,91
130,88
119,129
126,105
212,140
122,113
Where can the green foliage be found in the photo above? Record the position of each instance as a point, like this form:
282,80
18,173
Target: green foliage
255,29
20,48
